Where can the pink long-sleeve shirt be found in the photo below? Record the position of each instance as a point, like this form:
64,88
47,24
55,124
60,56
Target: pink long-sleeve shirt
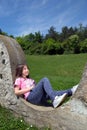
22,83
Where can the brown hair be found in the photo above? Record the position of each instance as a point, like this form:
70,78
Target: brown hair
19,70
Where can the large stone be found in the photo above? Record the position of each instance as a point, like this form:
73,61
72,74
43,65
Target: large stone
69,116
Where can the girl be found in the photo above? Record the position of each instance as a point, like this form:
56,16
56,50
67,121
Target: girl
38,93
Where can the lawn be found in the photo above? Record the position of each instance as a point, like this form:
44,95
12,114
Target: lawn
63,72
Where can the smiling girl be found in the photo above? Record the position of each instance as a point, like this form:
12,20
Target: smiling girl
38,93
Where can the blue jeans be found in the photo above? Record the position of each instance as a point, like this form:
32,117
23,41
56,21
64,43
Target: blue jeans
43,91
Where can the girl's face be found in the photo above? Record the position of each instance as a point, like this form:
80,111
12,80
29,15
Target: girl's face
25,71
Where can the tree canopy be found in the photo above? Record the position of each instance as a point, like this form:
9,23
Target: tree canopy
69,40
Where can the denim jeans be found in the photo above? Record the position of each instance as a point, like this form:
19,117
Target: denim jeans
44,91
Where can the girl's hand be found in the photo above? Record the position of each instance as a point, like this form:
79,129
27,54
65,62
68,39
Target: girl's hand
32,87
22,91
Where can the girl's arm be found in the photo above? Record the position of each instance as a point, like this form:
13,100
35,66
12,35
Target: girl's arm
22,91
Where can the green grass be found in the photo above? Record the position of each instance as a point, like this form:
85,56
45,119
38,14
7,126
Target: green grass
9,122
64,71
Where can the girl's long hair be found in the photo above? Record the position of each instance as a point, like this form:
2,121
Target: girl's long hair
19,70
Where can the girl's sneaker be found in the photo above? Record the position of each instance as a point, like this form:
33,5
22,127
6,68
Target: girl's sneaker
74,88
59,99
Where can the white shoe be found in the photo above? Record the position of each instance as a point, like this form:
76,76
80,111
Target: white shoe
59,99
74,88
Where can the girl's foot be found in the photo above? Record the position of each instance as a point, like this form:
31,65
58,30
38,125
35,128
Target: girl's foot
74,88
59,99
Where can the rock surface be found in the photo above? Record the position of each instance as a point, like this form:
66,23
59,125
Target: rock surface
70,116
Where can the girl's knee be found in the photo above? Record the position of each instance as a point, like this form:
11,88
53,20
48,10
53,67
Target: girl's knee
45,79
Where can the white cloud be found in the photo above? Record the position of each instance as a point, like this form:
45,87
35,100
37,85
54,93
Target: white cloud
38,4
44,2
39,15
26,29
30,23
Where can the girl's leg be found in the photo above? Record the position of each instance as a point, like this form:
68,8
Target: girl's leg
69,92
41,90
61,92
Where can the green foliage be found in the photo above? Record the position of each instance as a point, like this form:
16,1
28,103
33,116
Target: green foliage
59,48
52,34
50,46
72,44
83,46
67,42
9,122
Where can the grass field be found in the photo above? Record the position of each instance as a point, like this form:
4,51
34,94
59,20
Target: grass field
63,71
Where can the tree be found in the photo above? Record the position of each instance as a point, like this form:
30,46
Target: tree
64,33
83,46
67,32
49,46
71,45
73,42
38,37
20,41
3,33
52,34
0,31
82,32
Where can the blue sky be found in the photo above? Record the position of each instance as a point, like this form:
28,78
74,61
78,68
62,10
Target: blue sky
21,17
